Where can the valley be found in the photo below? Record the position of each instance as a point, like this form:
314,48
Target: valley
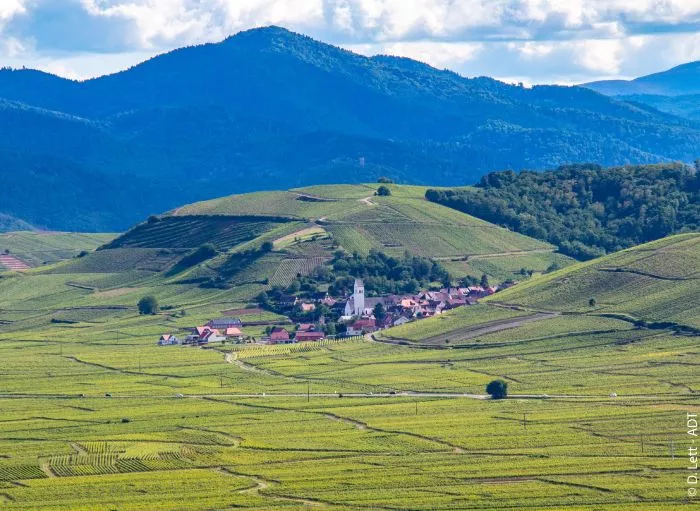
600,358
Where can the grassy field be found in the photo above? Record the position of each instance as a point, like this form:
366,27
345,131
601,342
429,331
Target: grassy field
38,248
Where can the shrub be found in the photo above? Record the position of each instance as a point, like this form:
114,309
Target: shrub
148,305
497,389
383,191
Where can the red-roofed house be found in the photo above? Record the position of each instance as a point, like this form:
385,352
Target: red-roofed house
234,332
309,336
362,326
279,335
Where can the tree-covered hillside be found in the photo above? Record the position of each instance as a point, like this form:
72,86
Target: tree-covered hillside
269,108
587,210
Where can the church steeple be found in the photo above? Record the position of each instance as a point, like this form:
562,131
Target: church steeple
358,298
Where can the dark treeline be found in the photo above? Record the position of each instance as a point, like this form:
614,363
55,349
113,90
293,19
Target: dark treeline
586,210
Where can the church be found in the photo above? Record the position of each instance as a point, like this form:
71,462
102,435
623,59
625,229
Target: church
358,305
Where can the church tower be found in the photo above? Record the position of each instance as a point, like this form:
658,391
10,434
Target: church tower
358,298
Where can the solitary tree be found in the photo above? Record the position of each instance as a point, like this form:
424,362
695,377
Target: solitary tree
592,302
267,246
383,191
484,281
385,180
497,389
148,305
379,311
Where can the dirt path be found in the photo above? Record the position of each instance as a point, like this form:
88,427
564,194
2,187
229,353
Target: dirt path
46,469
79,449
368,201
260,484
308,231
514,253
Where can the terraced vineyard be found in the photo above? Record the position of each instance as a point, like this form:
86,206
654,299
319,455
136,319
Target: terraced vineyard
192,232
38,248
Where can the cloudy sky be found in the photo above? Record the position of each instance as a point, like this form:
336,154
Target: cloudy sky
535,41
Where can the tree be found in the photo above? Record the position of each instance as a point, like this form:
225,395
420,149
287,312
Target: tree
148,305
385,180
592,302
484,281
383,191
379,311
267,246
497,389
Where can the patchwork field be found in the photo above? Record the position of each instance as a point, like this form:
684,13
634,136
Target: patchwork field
349,425
600,359
37,248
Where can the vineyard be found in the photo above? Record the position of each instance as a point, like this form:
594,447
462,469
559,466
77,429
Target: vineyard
659,281
192,232
38,248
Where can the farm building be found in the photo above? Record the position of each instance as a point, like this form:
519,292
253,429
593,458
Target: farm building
168,340
278,335
309,336
362,326
233,333
224,323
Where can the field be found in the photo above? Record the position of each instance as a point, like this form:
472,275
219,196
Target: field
345,425
39,248
96,416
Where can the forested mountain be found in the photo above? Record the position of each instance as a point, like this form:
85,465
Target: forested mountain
586,210
676,91
269,108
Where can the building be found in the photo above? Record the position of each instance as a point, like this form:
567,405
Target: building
309,336
168,340
362,326
224,323
233,333
279,335
355,306
210,336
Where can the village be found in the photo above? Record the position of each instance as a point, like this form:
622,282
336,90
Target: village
358,315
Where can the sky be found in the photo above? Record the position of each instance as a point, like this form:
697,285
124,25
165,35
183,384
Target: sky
530,41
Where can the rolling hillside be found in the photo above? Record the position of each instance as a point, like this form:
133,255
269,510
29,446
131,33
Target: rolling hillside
274,109
656,282
36,248
303,228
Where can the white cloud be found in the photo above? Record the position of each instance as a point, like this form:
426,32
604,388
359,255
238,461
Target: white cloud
530,40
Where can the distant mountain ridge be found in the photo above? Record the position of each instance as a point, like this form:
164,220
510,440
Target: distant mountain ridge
682,80
676,91
268,108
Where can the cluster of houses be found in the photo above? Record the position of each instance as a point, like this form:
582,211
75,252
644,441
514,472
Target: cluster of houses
217,330
359,313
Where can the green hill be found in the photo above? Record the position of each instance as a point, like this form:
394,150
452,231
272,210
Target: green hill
267,239
655,282
36,248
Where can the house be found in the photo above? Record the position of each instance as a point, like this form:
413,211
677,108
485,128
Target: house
308,307
401,320
210,336
168,340
279,335
233,333
224,323
321,296
309,336
306,327
288,300
362,326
